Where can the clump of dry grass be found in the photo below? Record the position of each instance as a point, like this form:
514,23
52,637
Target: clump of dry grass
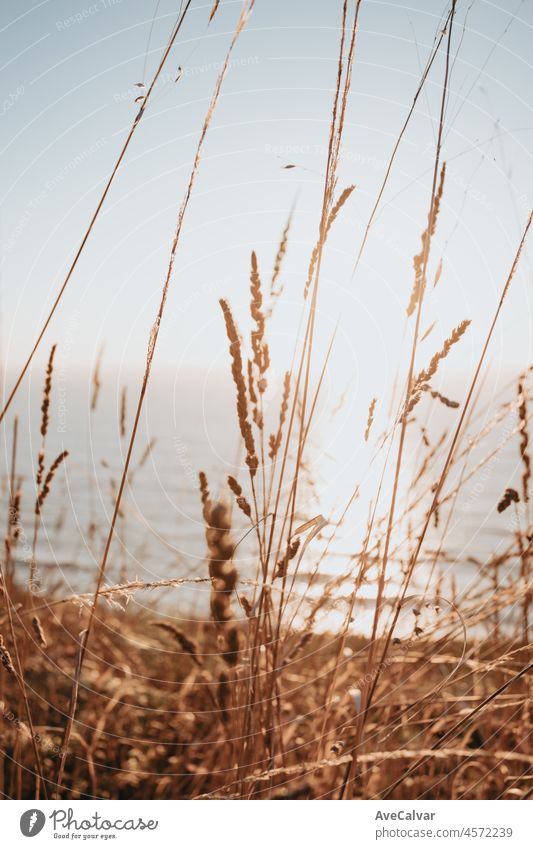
127,718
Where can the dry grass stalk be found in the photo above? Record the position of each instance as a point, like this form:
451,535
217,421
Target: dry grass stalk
275,439
236,489
223,696
370,418
251,382
14,518
280,255
96,381
420,383
123,411
290,554
447,402
442,33
38,631
146,453
343,197
41,498
426,374
214,10
81,646
240,387
345,194
509,497
260,350
438,273
223,576
299,646
5,657
205,497
417,297
13,526
524,441
40,468
246,605
47,392
421,259
188,645
302,393
427,332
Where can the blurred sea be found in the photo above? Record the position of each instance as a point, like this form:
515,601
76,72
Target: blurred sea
188,422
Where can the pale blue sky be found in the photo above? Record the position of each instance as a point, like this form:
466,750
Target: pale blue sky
70,67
